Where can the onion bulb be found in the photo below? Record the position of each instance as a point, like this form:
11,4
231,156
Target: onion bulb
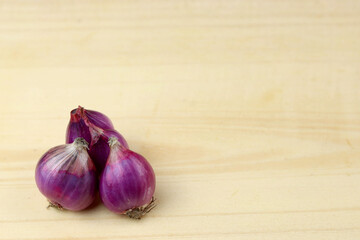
66,176
127,183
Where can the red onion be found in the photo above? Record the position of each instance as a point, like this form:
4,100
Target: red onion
66,176
80,121
127,183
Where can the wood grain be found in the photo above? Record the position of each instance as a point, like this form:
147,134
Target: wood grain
247,110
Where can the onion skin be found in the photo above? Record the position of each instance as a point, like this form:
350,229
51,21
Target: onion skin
98,119
99,152
66,176
77,128
128,180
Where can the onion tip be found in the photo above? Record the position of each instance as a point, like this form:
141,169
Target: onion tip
81,143
113,141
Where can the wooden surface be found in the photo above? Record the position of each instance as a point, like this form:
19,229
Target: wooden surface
247,110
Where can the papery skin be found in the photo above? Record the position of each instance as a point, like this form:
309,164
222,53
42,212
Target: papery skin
99,152
128,180
66,176
77,127
98,119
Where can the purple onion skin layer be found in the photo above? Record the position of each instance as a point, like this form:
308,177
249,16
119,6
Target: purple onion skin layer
77,128
99,152
98,119
128,180
66,176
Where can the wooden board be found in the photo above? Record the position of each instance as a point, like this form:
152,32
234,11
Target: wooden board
247,110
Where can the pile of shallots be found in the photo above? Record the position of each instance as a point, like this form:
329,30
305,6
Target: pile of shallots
94,157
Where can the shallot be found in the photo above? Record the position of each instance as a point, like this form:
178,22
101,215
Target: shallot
127,183
67,177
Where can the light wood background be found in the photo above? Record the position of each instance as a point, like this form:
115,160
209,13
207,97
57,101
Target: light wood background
247,110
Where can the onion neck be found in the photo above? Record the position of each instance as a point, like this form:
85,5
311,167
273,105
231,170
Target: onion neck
80,143
75,117
114,142
80,110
